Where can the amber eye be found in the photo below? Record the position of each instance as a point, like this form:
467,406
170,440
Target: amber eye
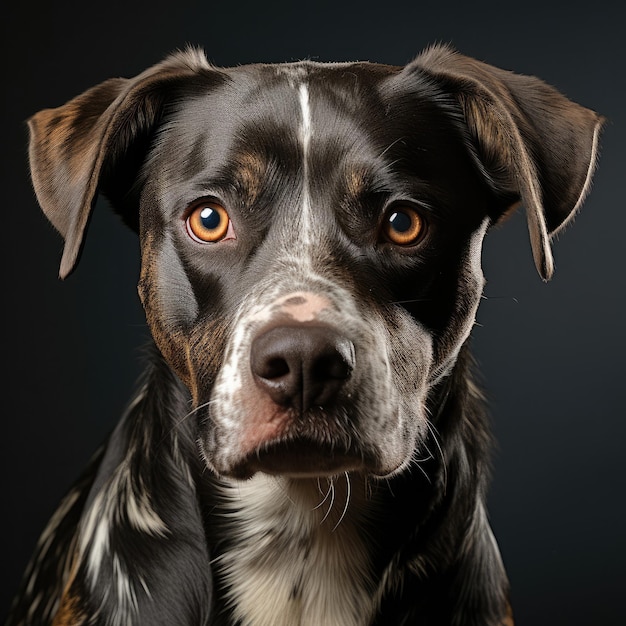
403,226
209,223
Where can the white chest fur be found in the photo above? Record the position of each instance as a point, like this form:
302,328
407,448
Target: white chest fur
300,552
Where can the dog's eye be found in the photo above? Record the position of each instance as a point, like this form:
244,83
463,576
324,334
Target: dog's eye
403,226
209,223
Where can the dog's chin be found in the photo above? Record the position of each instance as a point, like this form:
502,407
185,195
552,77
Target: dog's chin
301,458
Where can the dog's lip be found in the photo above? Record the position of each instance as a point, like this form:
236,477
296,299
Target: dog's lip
300,458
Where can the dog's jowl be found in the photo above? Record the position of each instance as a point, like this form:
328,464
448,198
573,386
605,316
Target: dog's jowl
307,447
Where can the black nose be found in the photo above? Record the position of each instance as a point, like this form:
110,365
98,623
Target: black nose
301,366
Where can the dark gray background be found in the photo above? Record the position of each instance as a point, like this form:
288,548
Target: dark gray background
551,355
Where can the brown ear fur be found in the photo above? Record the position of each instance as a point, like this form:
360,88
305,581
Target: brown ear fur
532,140
70,146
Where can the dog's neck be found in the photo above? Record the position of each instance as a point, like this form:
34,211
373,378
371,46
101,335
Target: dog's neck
303,543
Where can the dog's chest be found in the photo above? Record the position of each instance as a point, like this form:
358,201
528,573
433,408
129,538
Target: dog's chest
298,555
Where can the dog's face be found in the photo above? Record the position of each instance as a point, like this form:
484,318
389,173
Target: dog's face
311,263
311,237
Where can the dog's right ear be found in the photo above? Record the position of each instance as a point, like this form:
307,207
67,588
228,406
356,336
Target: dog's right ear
86,145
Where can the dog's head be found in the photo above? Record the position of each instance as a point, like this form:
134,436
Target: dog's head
311,233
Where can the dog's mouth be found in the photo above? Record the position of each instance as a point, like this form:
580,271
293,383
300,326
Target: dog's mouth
301,458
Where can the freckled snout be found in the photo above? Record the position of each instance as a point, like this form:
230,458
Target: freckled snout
301,366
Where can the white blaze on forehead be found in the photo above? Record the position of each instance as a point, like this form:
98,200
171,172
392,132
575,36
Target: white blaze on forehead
306,118
306,132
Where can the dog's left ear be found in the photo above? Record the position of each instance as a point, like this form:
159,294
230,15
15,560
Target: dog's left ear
533,142
97,141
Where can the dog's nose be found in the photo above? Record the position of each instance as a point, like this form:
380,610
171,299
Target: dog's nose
301,366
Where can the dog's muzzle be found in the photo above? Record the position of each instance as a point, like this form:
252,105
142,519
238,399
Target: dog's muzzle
308,387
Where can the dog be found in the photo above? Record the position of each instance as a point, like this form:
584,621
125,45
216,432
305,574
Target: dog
308,445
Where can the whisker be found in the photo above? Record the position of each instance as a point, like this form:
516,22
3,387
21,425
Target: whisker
511,298
200,406
411,301
180,421
421,469
424,458
391,145
345,508
332,500
325,496
436,436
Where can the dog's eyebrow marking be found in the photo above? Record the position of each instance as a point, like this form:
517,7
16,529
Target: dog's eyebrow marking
250,169
356,181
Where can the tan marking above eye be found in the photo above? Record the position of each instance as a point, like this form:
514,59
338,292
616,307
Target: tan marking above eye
403,226
209,223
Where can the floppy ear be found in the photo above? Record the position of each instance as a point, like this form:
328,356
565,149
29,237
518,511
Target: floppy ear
533,142
96,142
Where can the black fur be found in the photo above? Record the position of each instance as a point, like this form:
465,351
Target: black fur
139,537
